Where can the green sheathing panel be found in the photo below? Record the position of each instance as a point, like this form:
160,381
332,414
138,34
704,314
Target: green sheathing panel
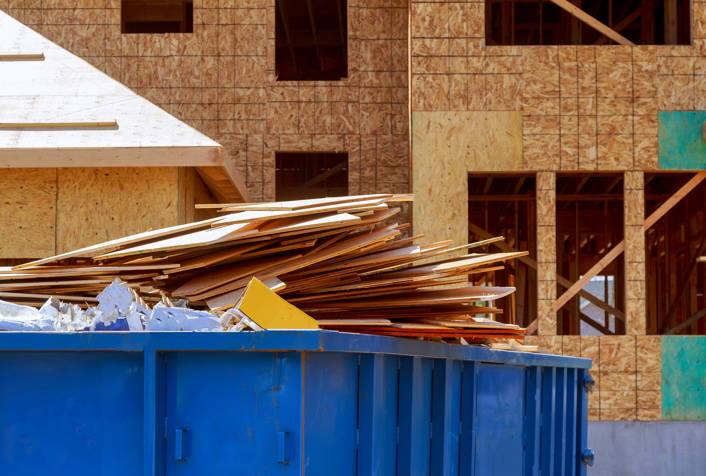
681,141
684,378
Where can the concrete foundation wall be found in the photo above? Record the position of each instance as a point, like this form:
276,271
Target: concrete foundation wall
673,448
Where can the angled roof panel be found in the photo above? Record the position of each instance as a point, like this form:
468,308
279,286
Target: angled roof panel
63,89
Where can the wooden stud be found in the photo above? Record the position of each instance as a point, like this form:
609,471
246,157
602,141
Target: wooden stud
55,125
592,22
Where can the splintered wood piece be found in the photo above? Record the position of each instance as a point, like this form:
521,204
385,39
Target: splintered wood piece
354,322
227,273
95,250
217,257
302,204
446,296
200,238
251,215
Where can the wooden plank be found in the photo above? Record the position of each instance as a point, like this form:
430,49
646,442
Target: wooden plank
95,250
56,125
312,203
191,240
21,56
250,215
63,297
593,23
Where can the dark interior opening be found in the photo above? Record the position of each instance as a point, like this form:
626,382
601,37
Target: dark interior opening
505,205
589,222
675,276
541,22
155,16
307,175
311,40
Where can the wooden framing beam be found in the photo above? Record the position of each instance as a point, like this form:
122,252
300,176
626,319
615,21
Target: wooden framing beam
683,286
560,279
620,26
593,23
55,125
288,34
21,56
670,22
323,176
687,322
620,247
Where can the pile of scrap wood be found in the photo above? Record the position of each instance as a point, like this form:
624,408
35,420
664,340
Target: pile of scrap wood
339,260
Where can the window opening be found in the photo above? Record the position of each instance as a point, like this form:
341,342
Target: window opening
157,16
550,22
311,40
589,221
303,176
505,205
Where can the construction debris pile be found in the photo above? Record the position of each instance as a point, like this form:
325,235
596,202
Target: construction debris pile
334,259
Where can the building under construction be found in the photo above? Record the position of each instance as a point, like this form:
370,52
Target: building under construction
576,130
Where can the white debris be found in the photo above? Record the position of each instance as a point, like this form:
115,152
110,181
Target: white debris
119,308
181,319
118,301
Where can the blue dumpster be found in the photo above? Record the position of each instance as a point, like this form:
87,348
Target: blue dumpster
284,403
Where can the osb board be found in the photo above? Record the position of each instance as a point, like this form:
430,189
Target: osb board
683,377
27,213
100,204
446,145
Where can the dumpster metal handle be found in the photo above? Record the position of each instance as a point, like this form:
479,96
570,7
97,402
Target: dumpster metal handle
180,445
589,383
587,456
282,447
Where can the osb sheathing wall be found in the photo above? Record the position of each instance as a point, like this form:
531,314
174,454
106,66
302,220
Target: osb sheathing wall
48,211
221,80
583,107
627,371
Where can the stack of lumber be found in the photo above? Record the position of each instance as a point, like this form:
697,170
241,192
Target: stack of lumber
340,260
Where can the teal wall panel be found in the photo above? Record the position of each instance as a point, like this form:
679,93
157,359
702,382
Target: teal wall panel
681,142
684,378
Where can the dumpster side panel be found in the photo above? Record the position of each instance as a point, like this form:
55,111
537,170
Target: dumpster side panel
500,414
225,412
69,413
330,419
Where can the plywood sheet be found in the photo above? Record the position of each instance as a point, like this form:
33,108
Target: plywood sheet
27,213
100,204
445,147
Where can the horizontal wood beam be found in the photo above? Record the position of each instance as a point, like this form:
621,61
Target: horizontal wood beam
55,125
21,56
593,23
